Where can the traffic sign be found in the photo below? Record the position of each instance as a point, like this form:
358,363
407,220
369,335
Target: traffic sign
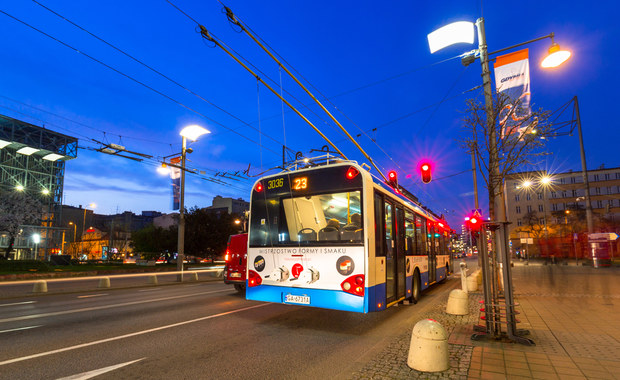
603,236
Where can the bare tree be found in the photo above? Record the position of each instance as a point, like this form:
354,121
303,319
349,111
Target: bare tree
516,139
17,209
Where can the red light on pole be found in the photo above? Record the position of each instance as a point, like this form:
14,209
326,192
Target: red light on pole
393,179
426,169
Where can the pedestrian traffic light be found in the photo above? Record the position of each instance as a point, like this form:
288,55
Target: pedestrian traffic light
393,179
473,222
425,171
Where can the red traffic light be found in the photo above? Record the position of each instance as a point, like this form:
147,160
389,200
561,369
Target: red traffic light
473,223
393,179
425,172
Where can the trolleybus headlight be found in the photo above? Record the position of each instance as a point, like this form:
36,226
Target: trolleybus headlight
254,279
354,285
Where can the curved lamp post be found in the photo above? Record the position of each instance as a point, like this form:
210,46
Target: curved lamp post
192,133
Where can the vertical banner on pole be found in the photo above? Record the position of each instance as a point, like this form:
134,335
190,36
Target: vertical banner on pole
512,79
175,175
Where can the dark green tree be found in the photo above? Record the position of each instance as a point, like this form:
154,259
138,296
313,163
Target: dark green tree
206,232
152,242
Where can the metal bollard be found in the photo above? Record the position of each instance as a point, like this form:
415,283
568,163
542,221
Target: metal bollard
458,303
428,351
152,279
194,276
463,265
40,287
104,282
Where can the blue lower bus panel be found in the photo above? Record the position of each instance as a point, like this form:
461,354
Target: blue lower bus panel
328,299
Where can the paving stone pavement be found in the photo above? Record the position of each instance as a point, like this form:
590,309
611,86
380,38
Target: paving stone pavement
392,362
572,319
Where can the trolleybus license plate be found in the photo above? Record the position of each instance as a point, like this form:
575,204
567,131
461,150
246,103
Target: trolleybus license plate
292,298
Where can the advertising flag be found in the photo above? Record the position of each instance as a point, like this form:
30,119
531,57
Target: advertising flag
175,175
512,79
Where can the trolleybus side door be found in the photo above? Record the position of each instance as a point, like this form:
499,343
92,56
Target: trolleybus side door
400,253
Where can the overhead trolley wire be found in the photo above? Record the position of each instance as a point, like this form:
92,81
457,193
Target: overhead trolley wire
232,18
131,78
210,37
152,69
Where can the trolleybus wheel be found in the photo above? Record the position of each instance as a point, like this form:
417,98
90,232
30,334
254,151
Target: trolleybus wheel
415,296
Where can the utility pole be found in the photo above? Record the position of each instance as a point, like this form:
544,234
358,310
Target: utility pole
584,170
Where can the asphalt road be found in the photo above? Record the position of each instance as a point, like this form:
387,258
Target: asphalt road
199,330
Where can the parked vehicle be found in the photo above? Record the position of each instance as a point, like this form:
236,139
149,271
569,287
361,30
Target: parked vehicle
236,258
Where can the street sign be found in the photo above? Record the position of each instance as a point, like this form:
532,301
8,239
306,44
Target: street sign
602,236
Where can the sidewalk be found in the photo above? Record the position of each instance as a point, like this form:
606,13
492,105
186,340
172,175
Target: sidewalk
577,337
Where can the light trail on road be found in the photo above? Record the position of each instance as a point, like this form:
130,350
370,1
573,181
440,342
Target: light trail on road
34,316
65,349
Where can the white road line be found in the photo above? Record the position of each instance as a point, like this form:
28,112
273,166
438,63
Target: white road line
34,316
97,372
149,290
17,303
93,295
21,328
23,358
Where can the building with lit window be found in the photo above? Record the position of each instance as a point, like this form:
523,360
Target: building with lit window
543,205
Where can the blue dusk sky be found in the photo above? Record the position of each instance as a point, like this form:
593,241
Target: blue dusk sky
369,58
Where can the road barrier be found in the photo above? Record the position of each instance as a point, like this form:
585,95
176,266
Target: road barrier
104,282
37,285
40,287
428,351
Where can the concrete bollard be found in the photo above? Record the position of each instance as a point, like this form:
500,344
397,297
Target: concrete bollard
458,303
472,283
463,265
152,279
428,351
104,282
40,287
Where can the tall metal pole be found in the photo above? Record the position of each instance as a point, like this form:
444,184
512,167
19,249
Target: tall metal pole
584,170
181,237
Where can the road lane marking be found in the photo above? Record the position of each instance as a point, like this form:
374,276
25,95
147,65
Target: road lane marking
34,316
97,372
20,328
34,356
149,290
93,295
17,303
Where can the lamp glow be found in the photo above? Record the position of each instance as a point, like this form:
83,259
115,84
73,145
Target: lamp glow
192,132
4,143
457,32
53,157
27,151
556,56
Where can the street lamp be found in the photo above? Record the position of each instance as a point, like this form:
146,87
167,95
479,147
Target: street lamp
444,37
544,181
36,238
92,205
191,132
